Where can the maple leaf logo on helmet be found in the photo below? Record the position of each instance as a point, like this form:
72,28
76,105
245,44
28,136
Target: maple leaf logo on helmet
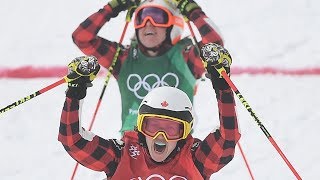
164,104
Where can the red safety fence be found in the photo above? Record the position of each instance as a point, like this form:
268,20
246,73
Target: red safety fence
60,71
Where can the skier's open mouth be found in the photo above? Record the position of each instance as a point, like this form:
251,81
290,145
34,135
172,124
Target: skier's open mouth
149,33
159,147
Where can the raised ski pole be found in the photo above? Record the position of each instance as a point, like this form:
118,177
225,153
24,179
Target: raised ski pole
106,82
31,96
216,57
239,145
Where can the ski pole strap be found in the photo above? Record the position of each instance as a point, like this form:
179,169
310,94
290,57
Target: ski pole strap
31,96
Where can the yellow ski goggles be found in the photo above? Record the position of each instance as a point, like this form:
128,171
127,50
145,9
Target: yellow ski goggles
173,129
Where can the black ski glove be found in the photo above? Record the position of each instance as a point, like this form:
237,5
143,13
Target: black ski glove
186,6
122,5
216,58
82,71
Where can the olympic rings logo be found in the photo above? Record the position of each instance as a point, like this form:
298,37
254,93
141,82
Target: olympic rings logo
140,87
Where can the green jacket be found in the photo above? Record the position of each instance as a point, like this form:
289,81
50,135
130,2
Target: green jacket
139,74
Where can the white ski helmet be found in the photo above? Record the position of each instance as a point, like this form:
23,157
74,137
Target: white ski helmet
176,18
169,102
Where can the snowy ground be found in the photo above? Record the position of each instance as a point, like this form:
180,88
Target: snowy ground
265,33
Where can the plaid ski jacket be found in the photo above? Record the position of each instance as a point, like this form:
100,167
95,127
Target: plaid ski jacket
99,154
87,39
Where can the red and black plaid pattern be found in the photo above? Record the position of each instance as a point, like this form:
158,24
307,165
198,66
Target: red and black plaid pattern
87,39
97,154
206,30
211,154
218,148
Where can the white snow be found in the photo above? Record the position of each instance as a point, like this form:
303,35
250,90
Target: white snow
264,33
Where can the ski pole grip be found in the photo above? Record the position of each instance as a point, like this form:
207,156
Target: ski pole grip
212,56
219,67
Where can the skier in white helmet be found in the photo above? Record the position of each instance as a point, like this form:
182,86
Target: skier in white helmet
161,146
158,56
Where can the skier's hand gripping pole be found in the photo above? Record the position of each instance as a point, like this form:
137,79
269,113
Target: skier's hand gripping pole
215,59
82,71
186,7
122,5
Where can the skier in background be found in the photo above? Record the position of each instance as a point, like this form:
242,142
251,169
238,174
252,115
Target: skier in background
157,57
161,146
